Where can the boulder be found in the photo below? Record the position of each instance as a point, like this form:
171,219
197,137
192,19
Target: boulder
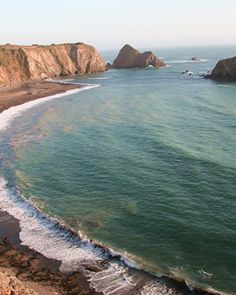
225,70
109,66
130,57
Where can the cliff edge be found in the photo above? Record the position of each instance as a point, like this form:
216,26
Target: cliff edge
20,63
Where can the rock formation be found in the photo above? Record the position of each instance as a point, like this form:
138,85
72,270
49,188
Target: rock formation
130,57
109,66
225,69
19,63
10,284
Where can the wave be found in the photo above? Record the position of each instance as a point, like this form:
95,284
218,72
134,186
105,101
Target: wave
99,78
108,271
186,61
227,86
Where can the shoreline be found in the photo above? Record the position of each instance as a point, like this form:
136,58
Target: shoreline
32,269
21,93
15,243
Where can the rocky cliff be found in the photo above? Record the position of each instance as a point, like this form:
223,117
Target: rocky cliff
130,57
19,63
225,69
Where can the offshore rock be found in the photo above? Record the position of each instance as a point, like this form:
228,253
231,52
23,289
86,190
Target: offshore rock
130,57
20,63
225,70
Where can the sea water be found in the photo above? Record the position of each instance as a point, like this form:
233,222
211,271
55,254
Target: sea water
145,164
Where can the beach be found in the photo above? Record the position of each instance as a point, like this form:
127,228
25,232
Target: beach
16,94
36,273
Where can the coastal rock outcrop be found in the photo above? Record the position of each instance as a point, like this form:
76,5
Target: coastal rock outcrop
130,57
225,70
195,58
20,63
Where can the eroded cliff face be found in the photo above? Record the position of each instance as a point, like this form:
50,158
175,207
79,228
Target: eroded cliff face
225,70
19,63
130,57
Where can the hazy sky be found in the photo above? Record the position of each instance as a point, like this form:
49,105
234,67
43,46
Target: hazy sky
109,24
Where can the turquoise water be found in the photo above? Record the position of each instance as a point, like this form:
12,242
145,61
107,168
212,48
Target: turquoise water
145,164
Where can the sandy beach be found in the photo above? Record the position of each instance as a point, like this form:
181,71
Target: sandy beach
24,271
16,94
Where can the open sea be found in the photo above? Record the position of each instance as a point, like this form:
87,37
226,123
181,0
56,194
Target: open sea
143,165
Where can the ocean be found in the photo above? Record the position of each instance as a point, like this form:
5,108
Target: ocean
141,167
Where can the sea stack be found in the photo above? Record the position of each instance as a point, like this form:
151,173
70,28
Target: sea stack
225,70
130,57
20,63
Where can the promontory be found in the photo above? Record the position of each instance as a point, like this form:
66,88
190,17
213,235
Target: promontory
21,63
130,57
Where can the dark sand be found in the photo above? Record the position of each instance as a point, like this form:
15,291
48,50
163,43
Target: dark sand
20,93
33,269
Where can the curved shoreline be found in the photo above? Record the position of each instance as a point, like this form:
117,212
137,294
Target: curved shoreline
103,253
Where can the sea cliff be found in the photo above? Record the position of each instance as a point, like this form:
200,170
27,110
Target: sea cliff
21,63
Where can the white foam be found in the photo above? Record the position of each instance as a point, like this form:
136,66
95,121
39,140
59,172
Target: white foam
186,61
112,281
178,61
155,287
7,116
45,236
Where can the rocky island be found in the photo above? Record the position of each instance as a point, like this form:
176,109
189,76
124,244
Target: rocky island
225,70
130,57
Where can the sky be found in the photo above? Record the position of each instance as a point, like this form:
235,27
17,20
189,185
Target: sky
109,24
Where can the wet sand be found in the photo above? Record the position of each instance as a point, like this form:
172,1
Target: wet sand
32,269
20,93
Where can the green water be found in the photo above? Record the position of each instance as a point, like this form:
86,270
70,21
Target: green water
145,164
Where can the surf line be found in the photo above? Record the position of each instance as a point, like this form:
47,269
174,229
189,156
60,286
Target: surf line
7,116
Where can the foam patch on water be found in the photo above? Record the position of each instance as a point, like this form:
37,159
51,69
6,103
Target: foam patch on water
183,61
154,288
113,280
